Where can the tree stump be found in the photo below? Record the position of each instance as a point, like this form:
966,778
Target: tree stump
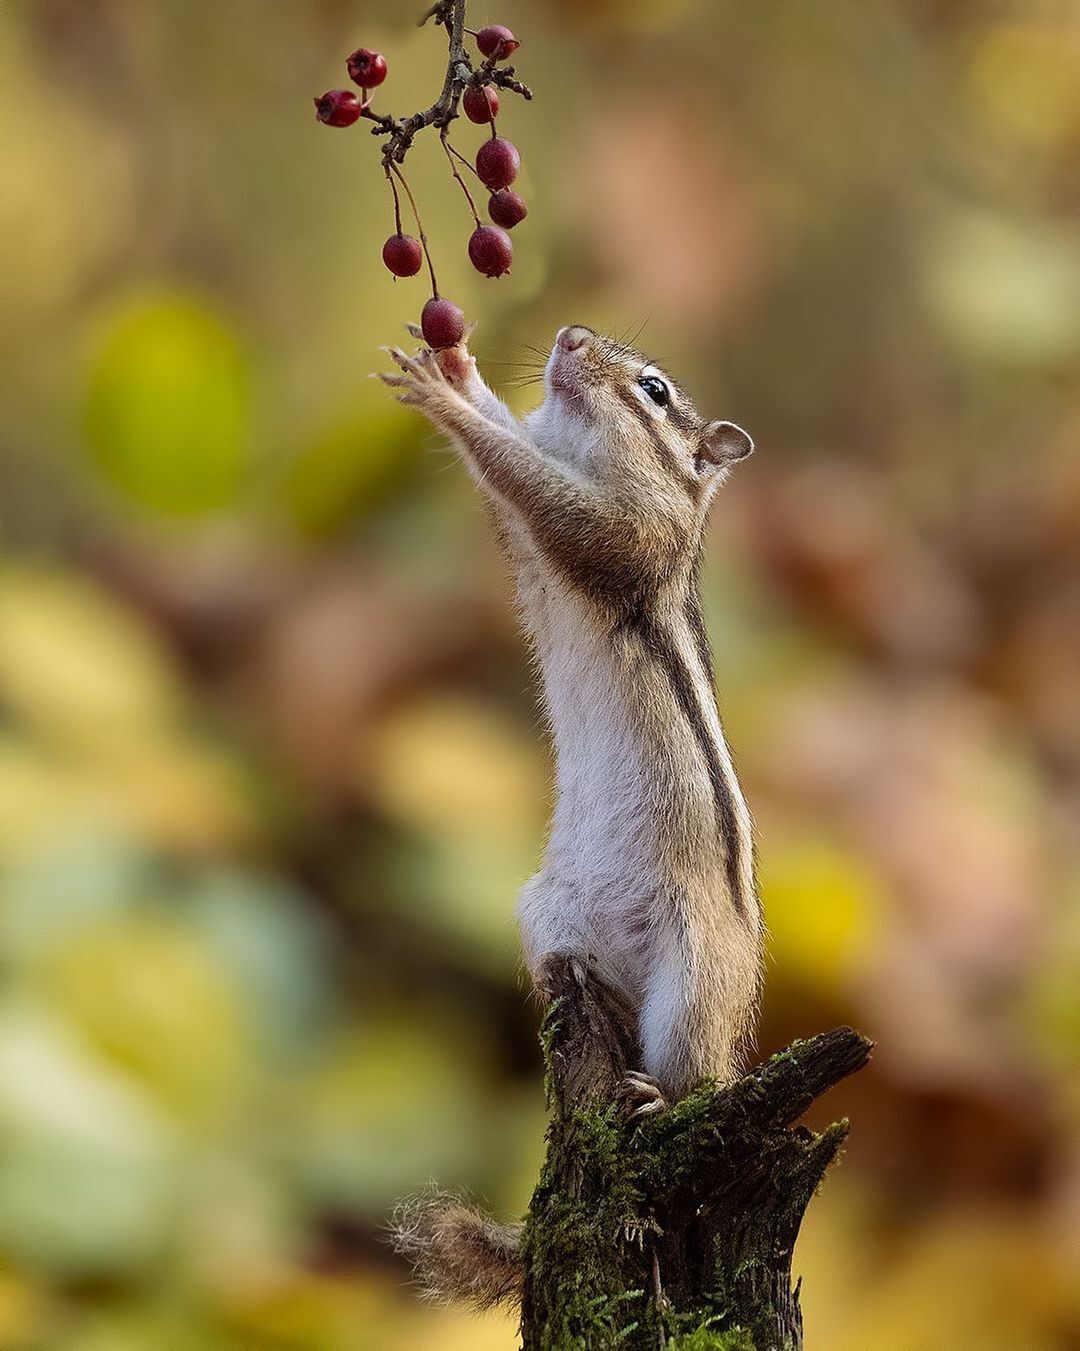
675,1230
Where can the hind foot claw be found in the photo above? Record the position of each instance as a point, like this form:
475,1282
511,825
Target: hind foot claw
640,1096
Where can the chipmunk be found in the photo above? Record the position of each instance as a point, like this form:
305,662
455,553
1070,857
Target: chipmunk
600,498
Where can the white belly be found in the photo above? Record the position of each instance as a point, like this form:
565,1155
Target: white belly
596,891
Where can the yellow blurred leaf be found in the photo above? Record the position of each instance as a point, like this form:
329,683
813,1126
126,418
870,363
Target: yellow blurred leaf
454,766
1026,75
75,663
822,905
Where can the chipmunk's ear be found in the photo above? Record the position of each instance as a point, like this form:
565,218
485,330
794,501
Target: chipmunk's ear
724,443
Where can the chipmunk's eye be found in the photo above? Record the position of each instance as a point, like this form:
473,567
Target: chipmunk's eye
655,388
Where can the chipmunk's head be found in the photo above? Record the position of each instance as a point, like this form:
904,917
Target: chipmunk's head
611,411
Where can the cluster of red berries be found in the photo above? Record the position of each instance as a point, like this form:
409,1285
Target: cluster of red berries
497,164
341,107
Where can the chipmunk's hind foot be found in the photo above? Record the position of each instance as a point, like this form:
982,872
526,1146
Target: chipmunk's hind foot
640,1095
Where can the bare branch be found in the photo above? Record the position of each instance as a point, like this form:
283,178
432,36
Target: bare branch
461,74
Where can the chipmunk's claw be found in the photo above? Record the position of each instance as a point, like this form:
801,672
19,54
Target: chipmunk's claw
421,382
422,367
640,1095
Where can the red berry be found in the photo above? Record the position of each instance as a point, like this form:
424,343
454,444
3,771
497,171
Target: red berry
490,250
507,208
338,108
481,104
497,163
497,40
403,255
366,68
442,323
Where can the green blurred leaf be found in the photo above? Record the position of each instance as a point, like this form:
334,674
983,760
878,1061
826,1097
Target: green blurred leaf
1006,289
393,1105
169,406
347,466
277,953
89,1170
155,1001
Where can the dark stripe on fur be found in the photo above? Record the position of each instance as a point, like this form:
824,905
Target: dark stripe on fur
663,450
663,651
682,421
696,621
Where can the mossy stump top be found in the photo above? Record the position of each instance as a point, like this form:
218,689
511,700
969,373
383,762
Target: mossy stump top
676,1230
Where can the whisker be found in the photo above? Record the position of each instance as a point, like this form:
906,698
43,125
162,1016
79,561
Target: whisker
620,346
531,347
636,335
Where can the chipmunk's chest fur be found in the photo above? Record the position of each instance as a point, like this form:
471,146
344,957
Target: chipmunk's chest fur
634,831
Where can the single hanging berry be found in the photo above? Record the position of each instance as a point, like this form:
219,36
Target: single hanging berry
497,41
338,108
497,163
403,255
366,68
491,251
442,323
507,208
481,104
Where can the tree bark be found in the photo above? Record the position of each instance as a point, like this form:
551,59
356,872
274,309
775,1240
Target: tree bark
675,1230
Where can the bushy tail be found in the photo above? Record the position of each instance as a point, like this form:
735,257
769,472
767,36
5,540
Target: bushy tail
458,1253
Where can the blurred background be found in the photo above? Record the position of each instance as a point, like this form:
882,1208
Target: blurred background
271,769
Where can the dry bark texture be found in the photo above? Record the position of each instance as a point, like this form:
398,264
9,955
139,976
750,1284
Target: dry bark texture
676,1230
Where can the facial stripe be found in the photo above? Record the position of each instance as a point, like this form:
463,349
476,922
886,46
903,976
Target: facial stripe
663,651
650,424
681,420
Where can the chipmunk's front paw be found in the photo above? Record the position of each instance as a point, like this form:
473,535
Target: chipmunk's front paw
421,383
457,363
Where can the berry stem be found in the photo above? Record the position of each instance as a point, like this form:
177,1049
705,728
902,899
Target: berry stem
397,203
461,158
393,168
454,170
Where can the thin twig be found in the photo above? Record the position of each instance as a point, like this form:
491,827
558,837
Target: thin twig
461,74
397,201
459,156
454,170
393,168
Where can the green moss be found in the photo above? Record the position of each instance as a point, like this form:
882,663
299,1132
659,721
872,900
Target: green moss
706,1339
579,1242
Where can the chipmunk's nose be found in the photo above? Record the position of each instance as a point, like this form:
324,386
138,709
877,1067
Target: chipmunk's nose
575,337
